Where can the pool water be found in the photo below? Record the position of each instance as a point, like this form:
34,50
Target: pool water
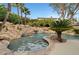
34,42
29,43
71,37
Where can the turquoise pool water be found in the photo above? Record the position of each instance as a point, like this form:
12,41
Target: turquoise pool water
34,42
28,43
65,36
71,37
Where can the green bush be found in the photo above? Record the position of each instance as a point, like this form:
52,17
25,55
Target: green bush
76,31
61,25
13,18
40,23
3,12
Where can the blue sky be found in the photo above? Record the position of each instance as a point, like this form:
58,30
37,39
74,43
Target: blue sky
39,10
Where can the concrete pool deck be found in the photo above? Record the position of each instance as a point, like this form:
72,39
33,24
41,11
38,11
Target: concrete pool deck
71,47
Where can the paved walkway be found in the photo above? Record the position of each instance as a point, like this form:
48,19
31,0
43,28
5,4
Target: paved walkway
71,47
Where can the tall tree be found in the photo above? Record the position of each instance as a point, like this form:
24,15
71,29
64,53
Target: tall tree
26,12
62,7
21,6
59,8
66,10
17,5
73,9
7,15
21,9
8,12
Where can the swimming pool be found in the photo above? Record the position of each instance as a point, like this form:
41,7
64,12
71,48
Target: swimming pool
29,43
71,37
34,42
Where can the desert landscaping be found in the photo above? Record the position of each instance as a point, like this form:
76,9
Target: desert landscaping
13,32
22,34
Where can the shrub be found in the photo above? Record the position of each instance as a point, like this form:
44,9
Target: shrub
76,31
13,18
40,23
3,12
59,26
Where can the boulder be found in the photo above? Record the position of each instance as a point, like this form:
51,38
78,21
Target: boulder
3,47
4,37
5,43
5,51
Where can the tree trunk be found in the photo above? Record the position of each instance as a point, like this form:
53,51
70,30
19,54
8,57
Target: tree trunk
59,36
25,19
6,17
8,12
21,17
9,7
25,16
62,10
18,10
71,16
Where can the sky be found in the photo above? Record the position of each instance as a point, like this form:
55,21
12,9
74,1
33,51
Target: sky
39,10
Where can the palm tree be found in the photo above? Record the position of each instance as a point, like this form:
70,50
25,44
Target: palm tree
59,26
17,6
8,12
21,9
21,6
26,12
6,17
